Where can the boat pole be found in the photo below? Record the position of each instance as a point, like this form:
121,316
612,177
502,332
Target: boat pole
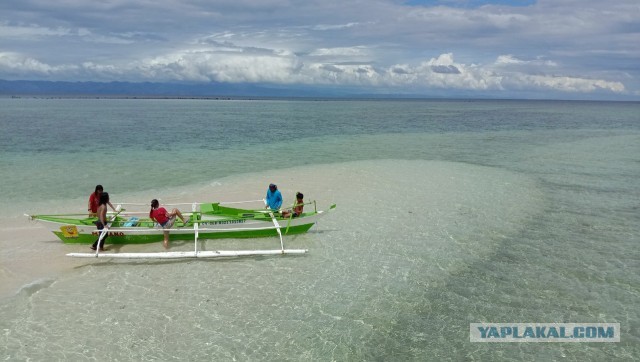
105,230
195,227
275,222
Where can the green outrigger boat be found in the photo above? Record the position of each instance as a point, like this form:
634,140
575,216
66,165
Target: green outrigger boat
206,221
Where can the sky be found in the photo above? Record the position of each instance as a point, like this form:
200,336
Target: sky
555,49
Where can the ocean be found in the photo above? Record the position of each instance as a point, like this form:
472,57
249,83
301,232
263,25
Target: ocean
449,212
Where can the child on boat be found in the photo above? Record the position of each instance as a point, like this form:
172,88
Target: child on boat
165,219
297,207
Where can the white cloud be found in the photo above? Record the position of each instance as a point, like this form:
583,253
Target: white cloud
562,83
357,51
441,72
221,67
333,27
36,33
25,32
13,63
508,60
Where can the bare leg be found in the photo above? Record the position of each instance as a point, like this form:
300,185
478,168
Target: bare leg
166,240
177,212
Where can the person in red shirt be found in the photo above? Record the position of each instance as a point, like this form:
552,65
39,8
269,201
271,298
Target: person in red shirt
94,201
165,219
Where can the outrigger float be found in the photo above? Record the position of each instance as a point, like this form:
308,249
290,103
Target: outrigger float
206,221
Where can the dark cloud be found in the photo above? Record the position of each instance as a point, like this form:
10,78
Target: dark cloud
331,68
445,69
397,70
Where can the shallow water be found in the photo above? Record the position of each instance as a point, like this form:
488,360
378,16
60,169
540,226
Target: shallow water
442,221
364,268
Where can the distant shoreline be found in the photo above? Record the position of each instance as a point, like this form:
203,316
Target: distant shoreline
253,91
300,98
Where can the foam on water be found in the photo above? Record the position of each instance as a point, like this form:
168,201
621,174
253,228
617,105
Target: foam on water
391,242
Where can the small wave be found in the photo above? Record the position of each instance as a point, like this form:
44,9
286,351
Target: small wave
35,286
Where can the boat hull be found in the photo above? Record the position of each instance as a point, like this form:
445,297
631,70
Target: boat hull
124,236
233,223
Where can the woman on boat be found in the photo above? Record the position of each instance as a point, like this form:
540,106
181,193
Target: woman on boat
102,220
94,202
298,207
165,219
274,198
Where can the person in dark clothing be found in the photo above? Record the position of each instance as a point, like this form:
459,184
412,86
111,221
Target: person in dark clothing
102,220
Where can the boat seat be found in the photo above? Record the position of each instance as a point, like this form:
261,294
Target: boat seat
208,208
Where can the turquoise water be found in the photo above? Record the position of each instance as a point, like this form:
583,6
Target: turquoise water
449,213
80,142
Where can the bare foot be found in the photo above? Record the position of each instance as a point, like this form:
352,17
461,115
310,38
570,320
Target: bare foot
165,244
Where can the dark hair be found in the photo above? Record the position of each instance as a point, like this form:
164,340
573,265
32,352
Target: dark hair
273,186
104,198
98,188
154,203
300,195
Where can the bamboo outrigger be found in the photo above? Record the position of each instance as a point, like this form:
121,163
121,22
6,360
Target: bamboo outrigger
206,221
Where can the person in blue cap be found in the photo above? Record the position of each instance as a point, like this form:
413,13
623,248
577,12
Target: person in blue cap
274,198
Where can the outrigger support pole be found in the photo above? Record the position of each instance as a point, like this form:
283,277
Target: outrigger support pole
275,222
105,230
194,206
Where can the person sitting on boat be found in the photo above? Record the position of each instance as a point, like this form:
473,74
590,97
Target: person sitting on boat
102,220
274,198
94,201
298,207
165,219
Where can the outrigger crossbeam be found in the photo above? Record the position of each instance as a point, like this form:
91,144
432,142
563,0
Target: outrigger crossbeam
190,254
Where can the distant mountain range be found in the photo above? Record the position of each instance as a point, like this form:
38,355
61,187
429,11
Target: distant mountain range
169,90
26,88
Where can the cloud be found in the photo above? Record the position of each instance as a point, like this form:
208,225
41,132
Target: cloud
323,27
401,70
445,69
441,72
31,32
340,52
330,68
566,46
13,63
561,83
